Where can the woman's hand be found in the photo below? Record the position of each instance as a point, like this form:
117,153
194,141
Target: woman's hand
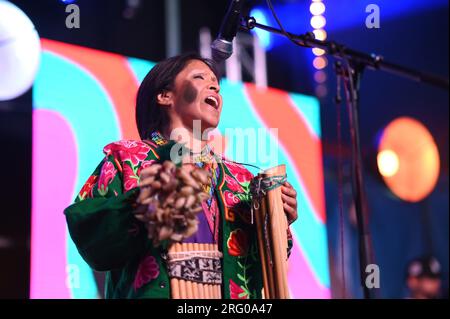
289,196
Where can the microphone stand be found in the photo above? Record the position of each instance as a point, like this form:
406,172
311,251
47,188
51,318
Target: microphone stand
355,63
340,51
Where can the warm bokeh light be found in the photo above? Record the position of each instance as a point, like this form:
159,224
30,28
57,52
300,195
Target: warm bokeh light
320,62
388,163
320,34
318,52
321,91
318,22
317,8
418,159
320,76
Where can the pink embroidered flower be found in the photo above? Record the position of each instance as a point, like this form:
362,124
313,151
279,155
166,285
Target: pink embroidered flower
107,174
236,291
237,243
130,179
239,172
128,150
233,185
88,187
147,271
231,200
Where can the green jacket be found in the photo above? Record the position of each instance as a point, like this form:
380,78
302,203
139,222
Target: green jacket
109,238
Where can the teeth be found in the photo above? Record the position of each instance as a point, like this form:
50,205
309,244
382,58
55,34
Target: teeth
213,99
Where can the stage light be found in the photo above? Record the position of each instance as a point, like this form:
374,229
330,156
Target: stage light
321,91
388,163
320,34
320,77
263,36
318,52
318,22
317,8
414,174
20,51
320,62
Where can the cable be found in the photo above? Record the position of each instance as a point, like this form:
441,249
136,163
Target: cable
269,4
231,161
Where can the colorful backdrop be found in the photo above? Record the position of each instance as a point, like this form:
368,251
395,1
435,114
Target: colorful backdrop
83,99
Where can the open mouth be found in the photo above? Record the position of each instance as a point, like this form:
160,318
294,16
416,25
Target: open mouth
213,101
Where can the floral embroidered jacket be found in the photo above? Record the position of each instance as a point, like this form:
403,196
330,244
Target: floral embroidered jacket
109,238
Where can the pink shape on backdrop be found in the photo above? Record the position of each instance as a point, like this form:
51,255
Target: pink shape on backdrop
302,282
54,177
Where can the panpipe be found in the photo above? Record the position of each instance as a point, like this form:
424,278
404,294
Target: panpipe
195,271
272,225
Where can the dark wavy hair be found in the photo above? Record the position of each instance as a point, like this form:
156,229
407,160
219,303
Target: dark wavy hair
150,116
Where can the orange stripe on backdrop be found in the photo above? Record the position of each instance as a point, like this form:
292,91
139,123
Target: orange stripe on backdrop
304,148
112,71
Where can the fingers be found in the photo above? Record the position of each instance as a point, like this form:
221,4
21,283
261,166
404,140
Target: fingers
287,189
290,212
289,197
290,207
287,185
291,201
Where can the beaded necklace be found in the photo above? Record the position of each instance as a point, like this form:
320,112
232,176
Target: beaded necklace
205,160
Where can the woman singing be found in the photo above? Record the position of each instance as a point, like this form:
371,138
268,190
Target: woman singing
174,94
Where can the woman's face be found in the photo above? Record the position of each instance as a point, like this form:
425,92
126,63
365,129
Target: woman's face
195,96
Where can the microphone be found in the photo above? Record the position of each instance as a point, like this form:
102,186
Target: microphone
222,46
